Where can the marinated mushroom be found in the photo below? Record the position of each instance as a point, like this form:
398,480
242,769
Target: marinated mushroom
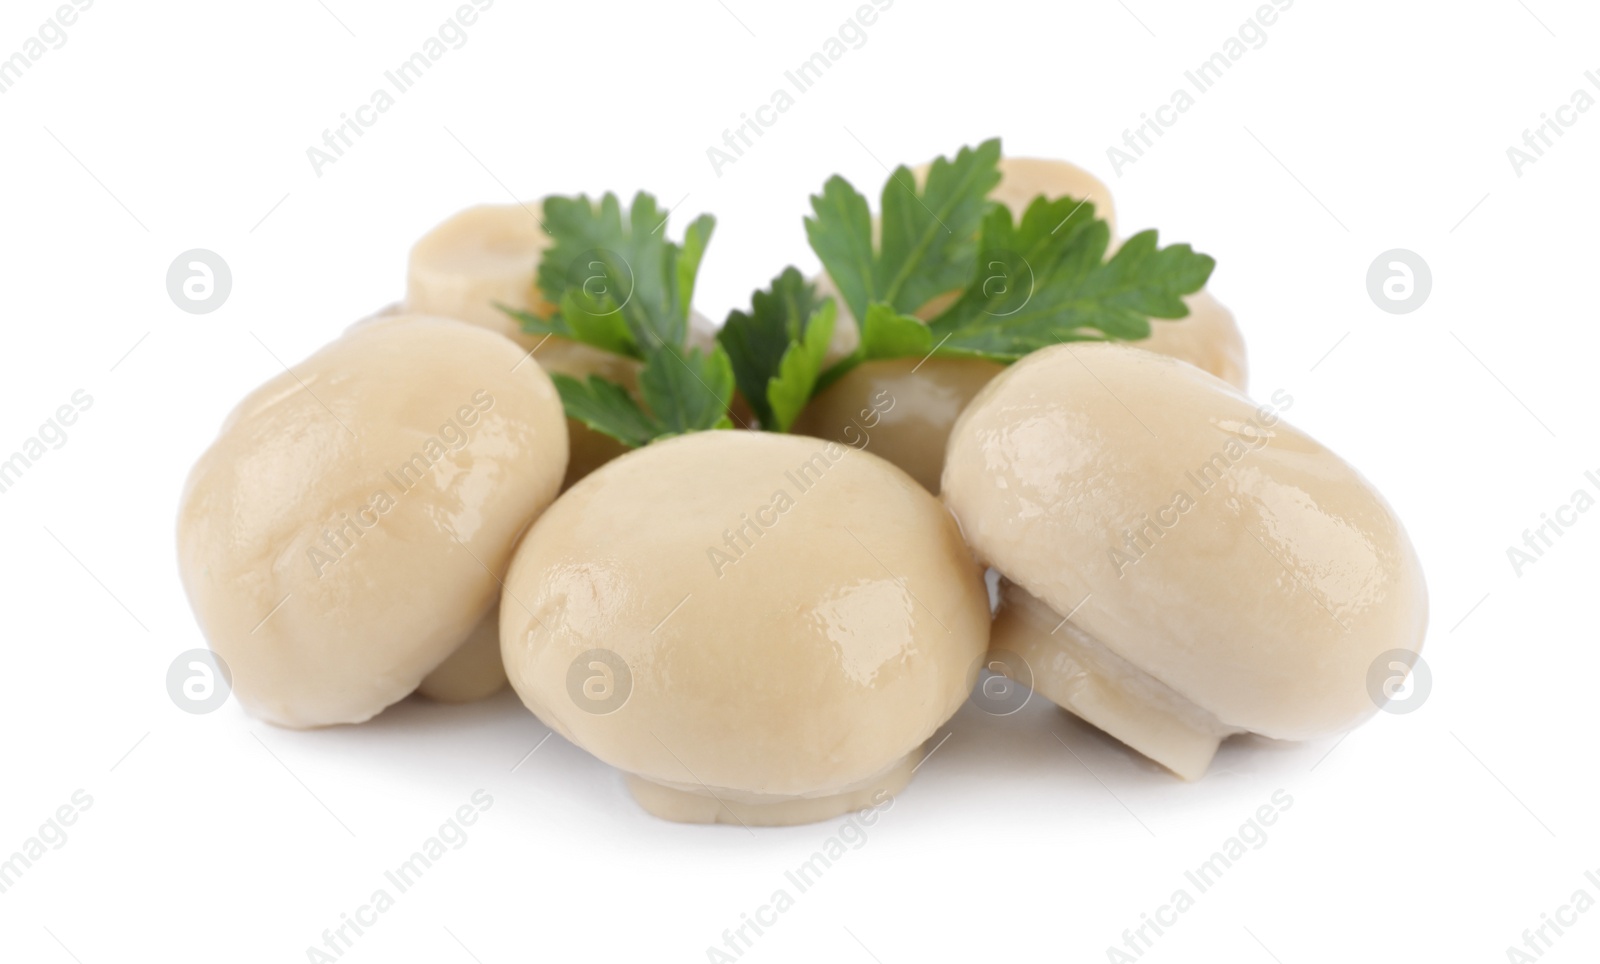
755,628
474,671
344,533
1178,564
900,409
925,399
1207,338
476,259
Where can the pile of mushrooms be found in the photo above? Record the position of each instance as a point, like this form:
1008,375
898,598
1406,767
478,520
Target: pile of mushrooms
766,629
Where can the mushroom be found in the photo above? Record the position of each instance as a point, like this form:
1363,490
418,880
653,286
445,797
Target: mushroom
900,409
928,397
1208,338
344,533
476,259
755,627
474,671
1178,564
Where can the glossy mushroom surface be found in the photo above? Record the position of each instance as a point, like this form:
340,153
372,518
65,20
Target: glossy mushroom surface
900,409
343,534
1179,563
756,628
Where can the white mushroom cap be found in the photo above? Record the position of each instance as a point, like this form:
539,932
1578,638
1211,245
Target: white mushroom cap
1222,571
786,620
1208,338
342,535
476,258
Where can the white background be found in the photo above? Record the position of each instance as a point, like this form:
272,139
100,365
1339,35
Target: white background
1358,127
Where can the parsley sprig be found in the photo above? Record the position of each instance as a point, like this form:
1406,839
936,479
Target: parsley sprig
1008,288
621,286
1046,279
929,236
946,273
777,348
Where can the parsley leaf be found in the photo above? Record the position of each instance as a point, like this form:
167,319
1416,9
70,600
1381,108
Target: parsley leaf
606,407
687,391
603,329
683,391
801,366
928,238
1045,280
618,283
782,328
885,333
1017,286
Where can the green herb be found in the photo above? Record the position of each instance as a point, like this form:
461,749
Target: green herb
1014,287
619,285
688,391
777,347
885,333
928,237
605,406
1008,288
1046,280
683,391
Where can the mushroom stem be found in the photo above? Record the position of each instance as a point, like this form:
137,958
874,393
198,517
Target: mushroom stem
1078,672
691,803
